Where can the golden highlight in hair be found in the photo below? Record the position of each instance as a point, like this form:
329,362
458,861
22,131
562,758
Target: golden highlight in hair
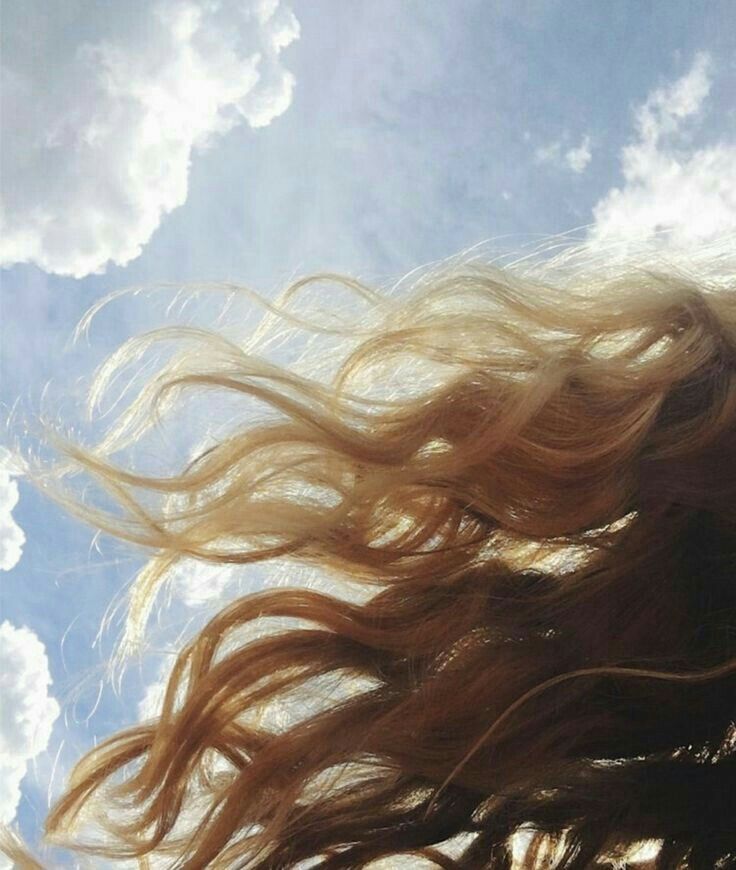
540,510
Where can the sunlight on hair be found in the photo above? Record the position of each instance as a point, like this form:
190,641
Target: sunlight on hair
512,482
642,852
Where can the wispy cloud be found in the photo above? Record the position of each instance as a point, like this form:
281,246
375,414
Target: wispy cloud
97,143
669,184
556,154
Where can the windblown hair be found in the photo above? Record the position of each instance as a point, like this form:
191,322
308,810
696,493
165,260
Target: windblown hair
544,533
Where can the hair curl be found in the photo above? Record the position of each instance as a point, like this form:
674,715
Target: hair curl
546,539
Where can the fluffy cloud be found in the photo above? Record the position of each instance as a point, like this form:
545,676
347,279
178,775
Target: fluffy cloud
11,534
555,154
27,711
107,111
668,183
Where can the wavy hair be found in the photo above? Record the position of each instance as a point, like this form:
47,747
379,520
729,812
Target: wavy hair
534,493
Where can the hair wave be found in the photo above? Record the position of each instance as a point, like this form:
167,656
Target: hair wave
546,536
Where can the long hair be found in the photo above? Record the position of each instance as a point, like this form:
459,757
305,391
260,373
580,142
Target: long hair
539,511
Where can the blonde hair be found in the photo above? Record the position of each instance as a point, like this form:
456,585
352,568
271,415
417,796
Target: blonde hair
539,503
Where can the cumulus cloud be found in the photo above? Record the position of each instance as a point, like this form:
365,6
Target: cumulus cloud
11,534
103,114
27,711
669,184
556,154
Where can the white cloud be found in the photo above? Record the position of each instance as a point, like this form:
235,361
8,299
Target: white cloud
11,534
27,711
555,154
149,707
103,131
669,184
197,583
579,158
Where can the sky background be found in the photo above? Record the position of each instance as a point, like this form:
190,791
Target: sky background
252,141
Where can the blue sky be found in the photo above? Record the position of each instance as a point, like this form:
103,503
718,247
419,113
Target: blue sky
248,142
